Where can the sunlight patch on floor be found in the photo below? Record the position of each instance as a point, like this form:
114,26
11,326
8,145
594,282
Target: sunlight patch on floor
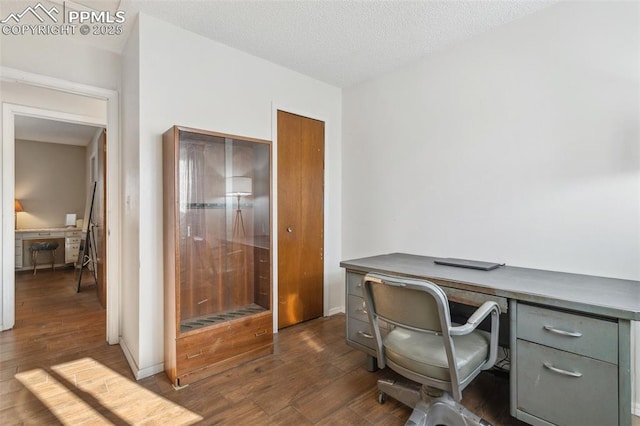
85,391
310,339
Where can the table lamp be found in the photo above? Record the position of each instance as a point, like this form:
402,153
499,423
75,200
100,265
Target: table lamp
18,208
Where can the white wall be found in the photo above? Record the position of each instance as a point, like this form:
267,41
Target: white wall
188,80
61,57
519,146
50,182
130,295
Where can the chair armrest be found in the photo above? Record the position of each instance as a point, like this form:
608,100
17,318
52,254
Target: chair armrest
474,320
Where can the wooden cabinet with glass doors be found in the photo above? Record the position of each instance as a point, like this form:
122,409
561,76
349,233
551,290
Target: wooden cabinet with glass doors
217,252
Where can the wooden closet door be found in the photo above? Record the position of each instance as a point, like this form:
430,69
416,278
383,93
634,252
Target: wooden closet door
300,218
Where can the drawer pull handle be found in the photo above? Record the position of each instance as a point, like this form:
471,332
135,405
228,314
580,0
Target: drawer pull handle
561,371
194,355
365,334
361,311
562,332
261,333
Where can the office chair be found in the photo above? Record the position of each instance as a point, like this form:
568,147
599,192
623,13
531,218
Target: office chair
423,346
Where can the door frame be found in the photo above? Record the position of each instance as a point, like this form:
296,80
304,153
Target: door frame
7,191
275,107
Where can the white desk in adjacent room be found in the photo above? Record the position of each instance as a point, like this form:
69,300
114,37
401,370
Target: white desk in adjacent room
69,238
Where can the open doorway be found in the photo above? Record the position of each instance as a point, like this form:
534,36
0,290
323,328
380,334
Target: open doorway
56,163
25,94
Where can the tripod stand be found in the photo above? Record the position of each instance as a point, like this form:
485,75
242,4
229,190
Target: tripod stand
238,222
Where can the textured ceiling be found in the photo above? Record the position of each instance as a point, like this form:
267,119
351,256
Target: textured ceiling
339,42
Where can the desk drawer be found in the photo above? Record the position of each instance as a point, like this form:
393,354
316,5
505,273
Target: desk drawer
354,283
72,248
44,235
71,254
583,335
18,252
547,390
360,332
357,308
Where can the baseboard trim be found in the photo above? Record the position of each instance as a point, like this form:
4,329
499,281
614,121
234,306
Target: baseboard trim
335,311
129,357
150,371
635,410
137,372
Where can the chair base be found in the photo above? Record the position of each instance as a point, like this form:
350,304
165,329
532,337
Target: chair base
428,410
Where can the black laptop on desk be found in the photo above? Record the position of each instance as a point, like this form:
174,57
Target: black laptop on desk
471,264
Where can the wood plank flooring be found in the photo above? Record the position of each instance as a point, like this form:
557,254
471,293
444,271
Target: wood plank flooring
55,368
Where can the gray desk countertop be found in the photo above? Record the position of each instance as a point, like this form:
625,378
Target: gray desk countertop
598,295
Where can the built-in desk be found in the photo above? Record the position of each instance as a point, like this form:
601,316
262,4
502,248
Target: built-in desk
69,238
569,333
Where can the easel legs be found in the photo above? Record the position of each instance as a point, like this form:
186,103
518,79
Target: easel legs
88,257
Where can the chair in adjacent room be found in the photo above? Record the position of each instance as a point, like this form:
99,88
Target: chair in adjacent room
36,248
439,358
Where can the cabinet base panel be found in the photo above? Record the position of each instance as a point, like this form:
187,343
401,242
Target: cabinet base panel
221,366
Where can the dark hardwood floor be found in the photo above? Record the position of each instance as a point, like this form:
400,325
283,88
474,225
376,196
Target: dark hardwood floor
57,369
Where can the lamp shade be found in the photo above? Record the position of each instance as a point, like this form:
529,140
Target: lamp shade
239,185
18,206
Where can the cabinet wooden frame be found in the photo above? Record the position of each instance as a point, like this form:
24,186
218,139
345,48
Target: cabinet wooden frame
218,288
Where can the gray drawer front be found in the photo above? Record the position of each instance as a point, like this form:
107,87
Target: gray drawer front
593,337
354,283
360,332
356,308
591,399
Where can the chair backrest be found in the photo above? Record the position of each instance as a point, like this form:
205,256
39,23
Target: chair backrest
409,303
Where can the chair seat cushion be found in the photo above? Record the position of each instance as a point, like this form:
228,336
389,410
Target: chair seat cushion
424,353
44,246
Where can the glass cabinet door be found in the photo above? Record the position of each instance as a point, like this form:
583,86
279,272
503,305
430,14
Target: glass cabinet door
224,229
